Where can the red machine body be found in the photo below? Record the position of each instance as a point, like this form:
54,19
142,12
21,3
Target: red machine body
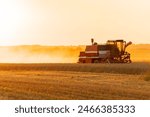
111,52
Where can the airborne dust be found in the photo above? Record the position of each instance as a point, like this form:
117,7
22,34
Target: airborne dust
40,54
59,54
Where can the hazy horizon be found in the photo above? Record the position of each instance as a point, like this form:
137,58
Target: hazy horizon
60,54
64,45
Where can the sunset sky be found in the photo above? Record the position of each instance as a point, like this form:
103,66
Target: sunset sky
73,22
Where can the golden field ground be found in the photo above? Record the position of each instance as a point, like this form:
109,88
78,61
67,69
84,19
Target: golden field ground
71,81
75,81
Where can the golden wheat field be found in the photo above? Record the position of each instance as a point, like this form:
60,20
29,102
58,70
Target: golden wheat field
75,81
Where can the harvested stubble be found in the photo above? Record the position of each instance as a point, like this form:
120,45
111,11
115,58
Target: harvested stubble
74,81
134,68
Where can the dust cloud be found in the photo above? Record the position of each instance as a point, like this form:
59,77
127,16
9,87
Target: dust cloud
39,54
60,54
139,52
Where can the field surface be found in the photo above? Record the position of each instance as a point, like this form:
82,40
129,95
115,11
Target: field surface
75,81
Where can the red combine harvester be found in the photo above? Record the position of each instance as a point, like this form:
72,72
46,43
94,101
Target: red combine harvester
114,51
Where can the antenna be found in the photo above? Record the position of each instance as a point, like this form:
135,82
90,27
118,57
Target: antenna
92,41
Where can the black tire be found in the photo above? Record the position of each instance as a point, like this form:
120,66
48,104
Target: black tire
96,61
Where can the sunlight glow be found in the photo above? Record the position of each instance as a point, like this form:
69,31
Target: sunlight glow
74,22
11,17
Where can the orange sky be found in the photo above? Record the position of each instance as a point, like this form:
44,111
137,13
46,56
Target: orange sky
73,22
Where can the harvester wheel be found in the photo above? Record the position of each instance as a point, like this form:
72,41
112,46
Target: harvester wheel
96,61
130,61
107,61
127,61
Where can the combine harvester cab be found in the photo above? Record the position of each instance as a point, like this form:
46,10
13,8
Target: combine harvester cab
112,52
